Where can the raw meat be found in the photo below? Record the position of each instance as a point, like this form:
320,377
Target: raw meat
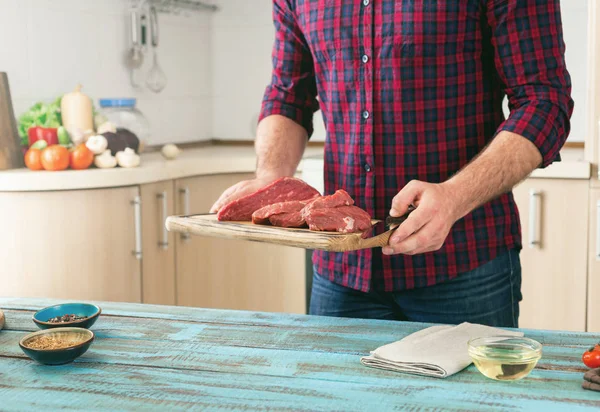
282,190
262,215
293,219
339,198
343,219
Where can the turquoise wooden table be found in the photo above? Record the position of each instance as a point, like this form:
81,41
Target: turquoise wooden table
174,358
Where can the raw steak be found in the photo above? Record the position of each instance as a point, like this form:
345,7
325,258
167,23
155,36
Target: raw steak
281,190
293,219
262,215
343,219
339,198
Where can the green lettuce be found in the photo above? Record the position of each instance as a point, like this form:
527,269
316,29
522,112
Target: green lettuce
40,114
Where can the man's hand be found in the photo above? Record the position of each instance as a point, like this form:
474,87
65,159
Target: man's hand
238,190
426,229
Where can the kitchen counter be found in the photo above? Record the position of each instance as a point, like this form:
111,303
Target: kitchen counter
214,159
178,358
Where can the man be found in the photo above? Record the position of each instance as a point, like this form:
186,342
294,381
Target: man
411,93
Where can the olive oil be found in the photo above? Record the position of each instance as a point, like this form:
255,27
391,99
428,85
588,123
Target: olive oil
504,362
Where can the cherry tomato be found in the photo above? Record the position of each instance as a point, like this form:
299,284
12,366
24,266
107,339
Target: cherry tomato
591,358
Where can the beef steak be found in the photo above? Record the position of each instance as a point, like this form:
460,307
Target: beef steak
281,190
262,215
343,219
339,198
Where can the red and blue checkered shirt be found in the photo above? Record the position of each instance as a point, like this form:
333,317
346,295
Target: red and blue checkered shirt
414,90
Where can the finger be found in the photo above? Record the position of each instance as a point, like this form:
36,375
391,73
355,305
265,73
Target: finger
406,197
425,240
413,223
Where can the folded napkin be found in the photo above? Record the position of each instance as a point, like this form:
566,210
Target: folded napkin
438,351
591,380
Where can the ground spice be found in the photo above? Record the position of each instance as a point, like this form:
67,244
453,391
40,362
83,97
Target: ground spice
66,318
53,341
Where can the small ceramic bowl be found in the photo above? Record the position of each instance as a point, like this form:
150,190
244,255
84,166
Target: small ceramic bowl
91,313
78,340
505,358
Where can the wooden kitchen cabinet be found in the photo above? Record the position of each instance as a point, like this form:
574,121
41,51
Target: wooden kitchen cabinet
232,274
593,282
158,248
75,244
554,257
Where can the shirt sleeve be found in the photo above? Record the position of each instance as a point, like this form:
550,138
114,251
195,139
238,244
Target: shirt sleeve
529,55
293,91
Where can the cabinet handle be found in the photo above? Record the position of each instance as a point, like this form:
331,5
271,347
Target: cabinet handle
598,230
534,196
137,210
162,201
185,192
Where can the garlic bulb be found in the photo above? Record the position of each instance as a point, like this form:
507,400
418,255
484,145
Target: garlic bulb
97,144
170,151
128,158
105,160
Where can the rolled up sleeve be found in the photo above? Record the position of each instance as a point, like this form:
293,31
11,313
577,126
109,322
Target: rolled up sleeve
529,57
293,91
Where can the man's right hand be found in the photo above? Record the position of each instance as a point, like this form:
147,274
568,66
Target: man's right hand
238,190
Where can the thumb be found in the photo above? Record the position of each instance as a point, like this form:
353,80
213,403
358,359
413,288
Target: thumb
407,196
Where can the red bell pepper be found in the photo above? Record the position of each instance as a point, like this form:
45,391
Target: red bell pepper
49,134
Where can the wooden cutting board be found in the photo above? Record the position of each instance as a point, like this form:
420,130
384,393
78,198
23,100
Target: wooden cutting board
208,225
1,319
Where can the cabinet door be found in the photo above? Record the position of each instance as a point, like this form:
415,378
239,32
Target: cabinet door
158,262
70,245
593,309
554,257
233,274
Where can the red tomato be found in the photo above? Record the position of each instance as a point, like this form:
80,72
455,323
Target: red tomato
591,358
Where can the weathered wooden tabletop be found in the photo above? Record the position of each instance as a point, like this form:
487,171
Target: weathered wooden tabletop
174,358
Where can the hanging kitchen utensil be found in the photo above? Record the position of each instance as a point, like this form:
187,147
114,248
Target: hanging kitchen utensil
156,79
135,56
11,155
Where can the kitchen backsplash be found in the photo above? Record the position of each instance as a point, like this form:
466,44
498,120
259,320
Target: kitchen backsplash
217,64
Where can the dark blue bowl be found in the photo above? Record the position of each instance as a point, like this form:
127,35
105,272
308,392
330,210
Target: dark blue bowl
91,313
83,339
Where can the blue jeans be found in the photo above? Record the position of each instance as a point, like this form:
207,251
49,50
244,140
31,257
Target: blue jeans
488,295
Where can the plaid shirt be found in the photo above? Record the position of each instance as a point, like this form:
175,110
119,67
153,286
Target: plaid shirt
414,90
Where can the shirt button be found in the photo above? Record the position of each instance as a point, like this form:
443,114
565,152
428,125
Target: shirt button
366,114
367,167
365,58
366,2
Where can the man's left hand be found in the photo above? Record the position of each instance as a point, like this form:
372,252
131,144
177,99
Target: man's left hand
425,229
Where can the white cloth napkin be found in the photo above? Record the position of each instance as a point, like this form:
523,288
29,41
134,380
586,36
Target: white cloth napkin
438,351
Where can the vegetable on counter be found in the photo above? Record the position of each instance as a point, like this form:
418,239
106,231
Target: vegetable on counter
122,139
105,160
55,157
63,136
128,158
33,159
37,133
81,157
591,358
170,151
77,115
39,115
97,144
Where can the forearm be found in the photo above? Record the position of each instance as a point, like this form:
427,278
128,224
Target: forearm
280,144
507,160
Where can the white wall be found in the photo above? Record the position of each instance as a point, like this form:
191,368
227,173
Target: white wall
48,46
242,41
